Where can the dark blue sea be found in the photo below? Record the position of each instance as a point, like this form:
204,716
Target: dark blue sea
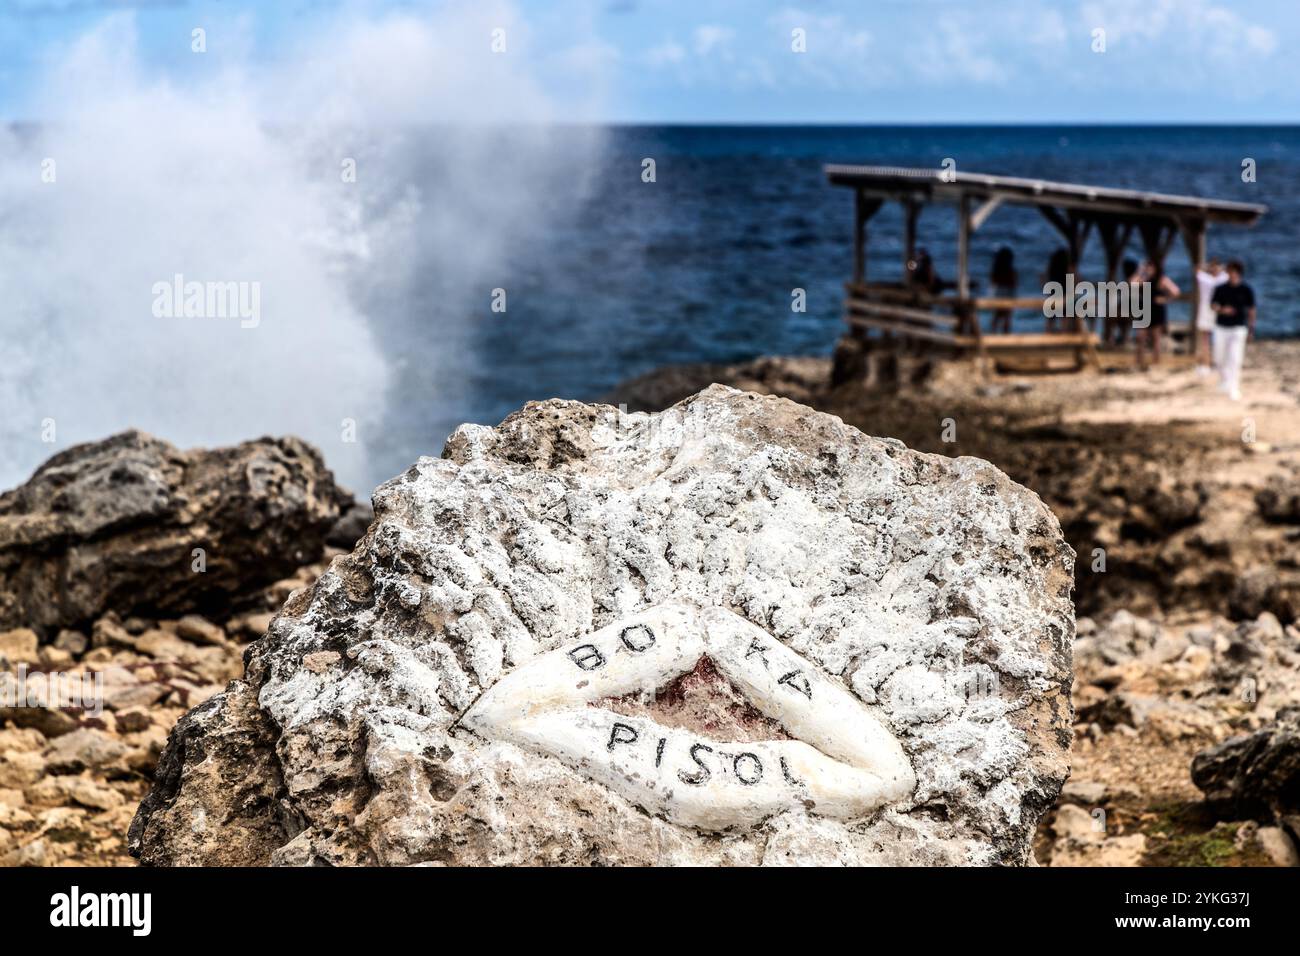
699,265
606,276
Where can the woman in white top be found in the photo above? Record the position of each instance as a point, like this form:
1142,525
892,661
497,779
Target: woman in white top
1209,276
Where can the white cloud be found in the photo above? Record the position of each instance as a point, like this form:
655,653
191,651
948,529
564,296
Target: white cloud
1178,43
1048,31
1153,46
955,53
1122,19
664,54
588,57
762,57
711,37
1261,40
1198,25
838,50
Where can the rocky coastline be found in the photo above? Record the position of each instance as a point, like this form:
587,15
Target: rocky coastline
133,576
1180,509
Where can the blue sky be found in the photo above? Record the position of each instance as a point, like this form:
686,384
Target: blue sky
732,60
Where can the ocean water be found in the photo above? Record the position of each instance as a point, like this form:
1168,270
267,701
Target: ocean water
700,264
382,322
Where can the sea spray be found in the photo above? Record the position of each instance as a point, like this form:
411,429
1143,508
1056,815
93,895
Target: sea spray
367,213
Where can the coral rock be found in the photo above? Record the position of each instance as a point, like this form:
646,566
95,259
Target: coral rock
552,556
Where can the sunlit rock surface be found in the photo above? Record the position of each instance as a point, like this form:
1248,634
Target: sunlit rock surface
912,616
132,524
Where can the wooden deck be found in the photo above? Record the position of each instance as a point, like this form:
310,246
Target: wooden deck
954,322
950,322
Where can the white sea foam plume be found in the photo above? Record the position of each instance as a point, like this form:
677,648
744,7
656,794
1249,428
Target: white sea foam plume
241,176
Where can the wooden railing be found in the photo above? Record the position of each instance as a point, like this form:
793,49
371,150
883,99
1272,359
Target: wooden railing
951,321
890,291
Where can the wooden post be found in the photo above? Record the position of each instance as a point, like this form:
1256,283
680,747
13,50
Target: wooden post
1194,232
1114,238
863,209
1194,235
986,209
1075,239
970,318
1058,221
911,212
963,248
1157,237
859,237
1080,228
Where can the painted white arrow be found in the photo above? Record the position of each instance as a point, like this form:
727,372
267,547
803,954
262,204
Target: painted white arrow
843,764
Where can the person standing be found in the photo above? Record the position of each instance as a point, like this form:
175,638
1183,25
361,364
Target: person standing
1058,272
1005,282
1209,276
1116,327
922,274
1234,325
1163,289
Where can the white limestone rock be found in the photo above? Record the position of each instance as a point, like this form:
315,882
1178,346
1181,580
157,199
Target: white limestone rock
543,651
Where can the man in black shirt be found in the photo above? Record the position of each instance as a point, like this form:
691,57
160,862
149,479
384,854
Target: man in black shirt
1234,324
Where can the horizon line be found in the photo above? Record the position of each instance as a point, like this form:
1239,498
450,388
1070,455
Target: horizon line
826,124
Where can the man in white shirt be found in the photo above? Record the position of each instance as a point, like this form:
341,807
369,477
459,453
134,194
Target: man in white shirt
1209,276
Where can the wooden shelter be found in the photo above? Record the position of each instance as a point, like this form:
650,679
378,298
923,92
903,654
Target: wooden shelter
917,314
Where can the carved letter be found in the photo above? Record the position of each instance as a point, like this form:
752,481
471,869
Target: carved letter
646,641
756,771
616,738
705,773
789,777
587,656
799,682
